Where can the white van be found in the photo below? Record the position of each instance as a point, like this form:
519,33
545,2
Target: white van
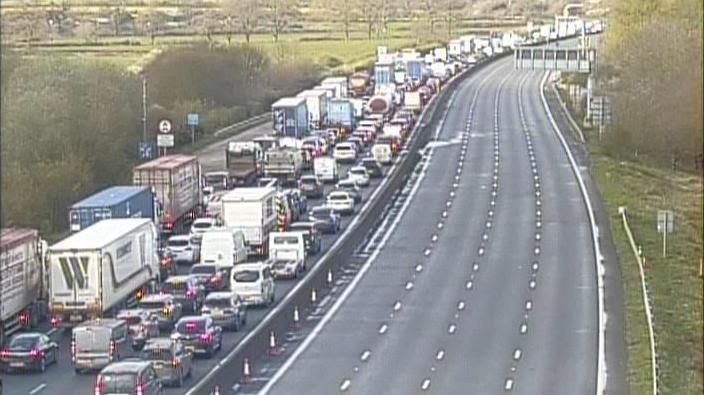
223,247
97,343
326,169
288,248
382,153
254,283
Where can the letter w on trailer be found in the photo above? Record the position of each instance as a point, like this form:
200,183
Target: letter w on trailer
101,269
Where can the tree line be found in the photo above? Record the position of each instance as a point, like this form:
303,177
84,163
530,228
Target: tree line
654,74
71,127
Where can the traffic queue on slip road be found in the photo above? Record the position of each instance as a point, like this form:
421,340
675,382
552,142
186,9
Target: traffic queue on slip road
158,273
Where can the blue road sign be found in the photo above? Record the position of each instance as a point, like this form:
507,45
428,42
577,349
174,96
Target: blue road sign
146,150
192,119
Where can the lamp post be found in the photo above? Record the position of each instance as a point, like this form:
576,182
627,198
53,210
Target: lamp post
144,106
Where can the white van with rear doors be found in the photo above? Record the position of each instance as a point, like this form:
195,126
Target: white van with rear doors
287,252
223,247
383,154
326,169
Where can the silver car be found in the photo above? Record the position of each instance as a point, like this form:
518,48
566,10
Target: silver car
170,360
226,309
182,249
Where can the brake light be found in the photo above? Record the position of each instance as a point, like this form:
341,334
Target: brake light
73,349
99,386
206,338
113,348
55,321
24,318
4,354
176,362
191,293
216,278
36,353
140,388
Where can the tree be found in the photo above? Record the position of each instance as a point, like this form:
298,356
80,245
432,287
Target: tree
368,14
430,9
280,14
246,13
150,22
343,12
451,13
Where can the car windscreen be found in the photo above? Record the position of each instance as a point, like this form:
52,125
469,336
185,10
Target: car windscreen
246,276
322,214
202,225
217,302
92,339
358,172
337,197
190,326
175,287
308,181
156,354
130,319
205,269
343,148
118,383
285,240
151,305
23,342
177,243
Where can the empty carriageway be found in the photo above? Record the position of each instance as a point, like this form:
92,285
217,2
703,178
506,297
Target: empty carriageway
485,283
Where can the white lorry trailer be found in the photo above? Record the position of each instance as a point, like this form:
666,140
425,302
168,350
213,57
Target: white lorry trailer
24,286
251,210
102,269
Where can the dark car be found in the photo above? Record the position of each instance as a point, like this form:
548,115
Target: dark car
310,235
311,187
133,377
210,276
29,351
326,219
351,186
186,290
373,167
199,334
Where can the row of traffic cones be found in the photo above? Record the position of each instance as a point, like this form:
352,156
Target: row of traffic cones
274,350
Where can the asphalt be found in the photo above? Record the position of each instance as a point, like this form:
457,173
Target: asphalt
472,302
61,378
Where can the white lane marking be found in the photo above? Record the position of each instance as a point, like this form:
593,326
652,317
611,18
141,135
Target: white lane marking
451,329
425,385
397,306
460,305
365,355
345,294
419,268
524,328
475,267
345,385
434,238
509,384
468,285
529,305
409,285
440,355
383,328
531,284
51,331
440,225
37,389
598,263
426,252
517,354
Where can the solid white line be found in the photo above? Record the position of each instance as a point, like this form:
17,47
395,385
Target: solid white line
37,389
345,385
601,360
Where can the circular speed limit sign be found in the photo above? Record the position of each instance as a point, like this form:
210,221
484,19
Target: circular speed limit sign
165,126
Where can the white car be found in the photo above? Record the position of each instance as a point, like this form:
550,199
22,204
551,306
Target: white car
182,249
202,225
254,283
345,152
360,175
340,201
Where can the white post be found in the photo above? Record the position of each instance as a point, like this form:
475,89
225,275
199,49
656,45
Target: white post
664,238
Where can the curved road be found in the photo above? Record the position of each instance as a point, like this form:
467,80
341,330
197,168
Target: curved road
61,378
487,283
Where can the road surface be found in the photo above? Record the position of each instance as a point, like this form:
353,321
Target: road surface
487,297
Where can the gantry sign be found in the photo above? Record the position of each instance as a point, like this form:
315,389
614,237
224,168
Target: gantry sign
574,60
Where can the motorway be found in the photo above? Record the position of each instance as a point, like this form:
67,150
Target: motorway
486,283
61,379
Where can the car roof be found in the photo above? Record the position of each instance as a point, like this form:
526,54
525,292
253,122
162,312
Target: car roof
360,168
176,278
205,219
27,335
157,297
249,266
161,342
193,318
337,192
220,295
307,224
311,176
125,367
132,312
344,144
180,237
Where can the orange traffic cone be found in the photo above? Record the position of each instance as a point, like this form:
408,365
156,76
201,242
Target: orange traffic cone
246,375
273,349
296,318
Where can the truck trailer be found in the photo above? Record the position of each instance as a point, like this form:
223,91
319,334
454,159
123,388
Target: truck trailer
122,201
290,116
176,182
360,84
243,161
252,211
24,285
102,269
340,85
317,106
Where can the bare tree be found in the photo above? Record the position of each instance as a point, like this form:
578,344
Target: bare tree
246,13
151,22
368,14
280,14
452,12
344,12
430,9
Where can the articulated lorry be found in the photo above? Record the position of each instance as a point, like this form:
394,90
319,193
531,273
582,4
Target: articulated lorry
243,161
290,116
122,201
317,106
284,163
102,269
360,84
23,280
176,181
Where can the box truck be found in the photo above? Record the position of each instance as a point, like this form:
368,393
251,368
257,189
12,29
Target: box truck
102,269
176,182
252,211
243,161
341,116
122,201
317,106
24,284
340,85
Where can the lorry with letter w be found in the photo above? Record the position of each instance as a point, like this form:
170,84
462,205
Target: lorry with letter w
102,269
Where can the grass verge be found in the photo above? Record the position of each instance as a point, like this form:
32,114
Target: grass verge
674,284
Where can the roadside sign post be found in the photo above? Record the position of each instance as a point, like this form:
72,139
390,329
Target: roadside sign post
165,138
192,121
666,222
